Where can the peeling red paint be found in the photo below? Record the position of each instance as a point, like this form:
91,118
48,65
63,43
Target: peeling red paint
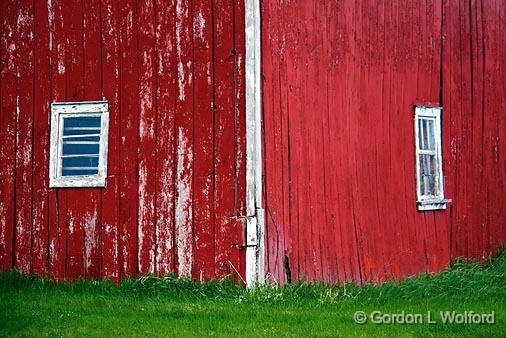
339,83
145,58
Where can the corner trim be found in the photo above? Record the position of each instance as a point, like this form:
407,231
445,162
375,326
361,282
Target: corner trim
255,219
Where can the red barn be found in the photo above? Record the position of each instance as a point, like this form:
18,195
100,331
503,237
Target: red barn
316,140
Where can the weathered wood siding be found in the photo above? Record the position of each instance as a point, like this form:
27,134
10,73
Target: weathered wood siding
173,73
340,79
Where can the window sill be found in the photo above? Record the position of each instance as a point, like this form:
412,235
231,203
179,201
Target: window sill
78,182
433,204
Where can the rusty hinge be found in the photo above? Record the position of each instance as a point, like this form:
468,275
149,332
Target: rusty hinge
251,230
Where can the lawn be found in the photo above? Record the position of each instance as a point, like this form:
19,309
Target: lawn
155,307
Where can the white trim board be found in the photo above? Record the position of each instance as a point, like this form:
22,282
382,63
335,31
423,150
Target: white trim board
255,216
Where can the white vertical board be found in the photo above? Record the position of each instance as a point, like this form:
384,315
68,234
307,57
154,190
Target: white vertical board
255,215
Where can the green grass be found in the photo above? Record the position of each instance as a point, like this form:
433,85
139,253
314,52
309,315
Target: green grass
153,307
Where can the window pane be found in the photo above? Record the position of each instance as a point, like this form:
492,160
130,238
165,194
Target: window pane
72,166
430,135
427,174
421,131
82,121
85,161
81,125
72,148
426,134
81,145
79,172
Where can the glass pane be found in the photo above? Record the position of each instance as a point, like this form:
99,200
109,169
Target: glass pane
79,172
85,161
82,121
422,174
430,134
426,134
427,163
421,129
73,149
81,125
79,166
81,146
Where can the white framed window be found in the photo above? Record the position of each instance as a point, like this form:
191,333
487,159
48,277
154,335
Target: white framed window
78,153
429,162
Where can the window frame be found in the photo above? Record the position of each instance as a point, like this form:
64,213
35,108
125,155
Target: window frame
60,110
437,201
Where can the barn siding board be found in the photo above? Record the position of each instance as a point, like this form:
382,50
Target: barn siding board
204,210
24,130
147,137
110,89
145,58
129,113
42,100
92,83
165,151
8,131
184,139
351,156
79,205
57,214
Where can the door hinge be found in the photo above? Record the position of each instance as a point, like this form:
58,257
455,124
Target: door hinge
252,231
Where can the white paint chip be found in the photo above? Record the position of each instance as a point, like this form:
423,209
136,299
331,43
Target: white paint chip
183,210
200,25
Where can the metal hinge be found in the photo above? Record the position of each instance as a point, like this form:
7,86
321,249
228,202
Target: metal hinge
251,229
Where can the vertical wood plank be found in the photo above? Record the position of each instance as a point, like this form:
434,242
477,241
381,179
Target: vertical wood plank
240,105
238,253
224,142
111,92
184,139
203,196
331,163
315,160
92,82
79,205
494,126
129,121
42,100
147,137
57,205
8,46
165,151
24,135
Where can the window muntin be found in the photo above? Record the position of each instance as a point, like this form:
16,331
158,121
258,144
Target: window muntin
79,132
429,167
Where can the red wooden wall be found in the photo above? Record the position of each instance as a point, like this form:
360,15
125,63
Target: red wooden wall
173,73
340,79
